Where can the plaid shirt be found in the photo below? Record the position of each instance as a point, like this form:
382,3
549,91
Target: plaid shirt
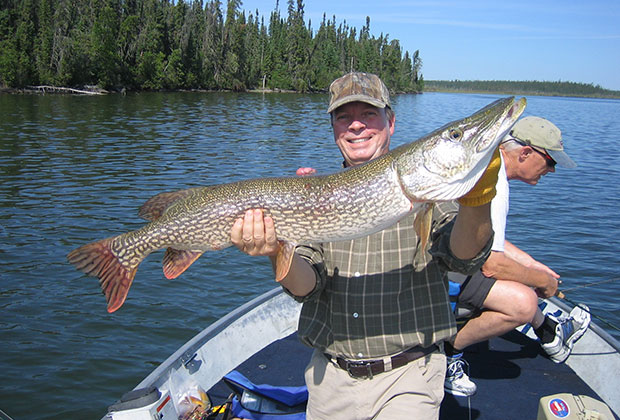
380,295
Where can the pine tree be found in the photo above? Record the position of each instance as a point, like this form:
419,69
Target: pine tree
212,50
104,50
8,48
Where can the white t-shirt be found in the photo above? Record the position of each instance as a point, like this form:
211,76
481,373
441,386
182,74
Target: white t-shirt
499,208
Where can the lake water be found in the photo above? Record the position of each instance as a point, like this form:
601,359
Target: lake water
76,169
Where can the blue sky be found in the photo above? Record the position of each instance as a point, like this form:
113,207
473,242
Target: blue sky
545,40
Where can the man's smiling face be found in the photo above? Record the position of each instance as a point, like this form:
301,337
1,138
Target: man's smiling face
362,132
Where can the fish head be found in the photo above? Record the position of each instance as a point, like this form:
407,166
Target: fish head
447,163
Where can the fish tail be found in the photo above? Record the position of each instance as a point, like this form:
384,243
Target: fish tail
97,259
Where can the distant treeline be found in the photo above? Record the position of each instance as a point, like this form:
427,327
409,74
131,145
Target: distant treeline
525,87
181,44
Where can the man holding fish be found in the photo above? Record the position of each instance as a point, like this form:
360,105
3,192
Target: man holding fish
365,249
375,308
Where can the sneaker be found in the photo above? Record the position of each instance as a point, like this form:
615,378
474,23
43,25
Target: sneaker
457,382
567,332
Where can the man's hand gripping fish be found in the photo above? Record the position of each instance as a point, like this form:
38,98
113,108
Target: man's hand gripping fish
443,165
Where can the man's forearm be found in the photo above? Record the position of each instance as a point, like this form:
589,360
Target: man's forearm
301,278
517,254
502,267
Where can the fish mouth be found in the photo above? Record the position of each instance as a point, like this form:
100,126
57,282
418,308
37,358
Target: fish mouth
512,114
491,133
488,140
456,163
492,128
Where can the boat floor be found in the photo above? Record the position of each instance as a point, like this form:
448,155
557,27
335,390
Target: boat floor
511,373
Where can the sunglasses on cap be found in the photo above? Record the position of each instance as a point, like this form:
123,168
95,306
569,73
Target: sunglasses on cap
550,162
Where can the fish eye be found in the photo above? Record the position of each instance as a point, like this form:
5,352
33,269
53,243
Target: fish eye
455,134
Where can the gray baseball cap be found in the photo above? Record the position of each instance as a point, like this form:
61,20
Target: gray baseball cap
362,87
542,133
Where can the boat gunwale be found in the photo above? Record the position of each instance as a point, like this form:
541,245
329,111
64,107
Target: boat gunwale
186,352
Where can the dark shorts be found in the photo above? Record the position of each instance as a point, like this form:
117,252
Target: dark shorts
474,291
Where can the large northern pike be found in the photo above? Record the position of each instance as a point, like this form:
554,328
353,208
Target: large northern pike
355,202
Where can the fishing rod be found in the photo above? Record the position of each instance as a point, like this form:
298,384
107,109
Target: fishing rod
561,295
595,283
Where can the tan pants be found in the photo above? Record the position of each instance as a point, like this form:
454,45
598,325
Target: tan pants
413,391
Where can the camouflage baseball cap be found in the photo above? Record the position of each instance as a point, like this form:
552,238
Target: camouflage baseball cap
542,133
353,87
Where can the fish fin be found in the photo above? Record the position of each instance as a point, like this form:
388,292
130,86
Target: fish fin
96,259
423,222
176,261
284,259
157,205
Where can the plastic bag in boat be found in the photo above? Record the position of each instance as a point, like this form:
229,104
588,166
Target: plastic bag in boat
266,402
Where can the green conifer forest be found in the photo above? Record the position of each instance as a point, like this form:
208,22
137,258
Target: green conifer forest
189,44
